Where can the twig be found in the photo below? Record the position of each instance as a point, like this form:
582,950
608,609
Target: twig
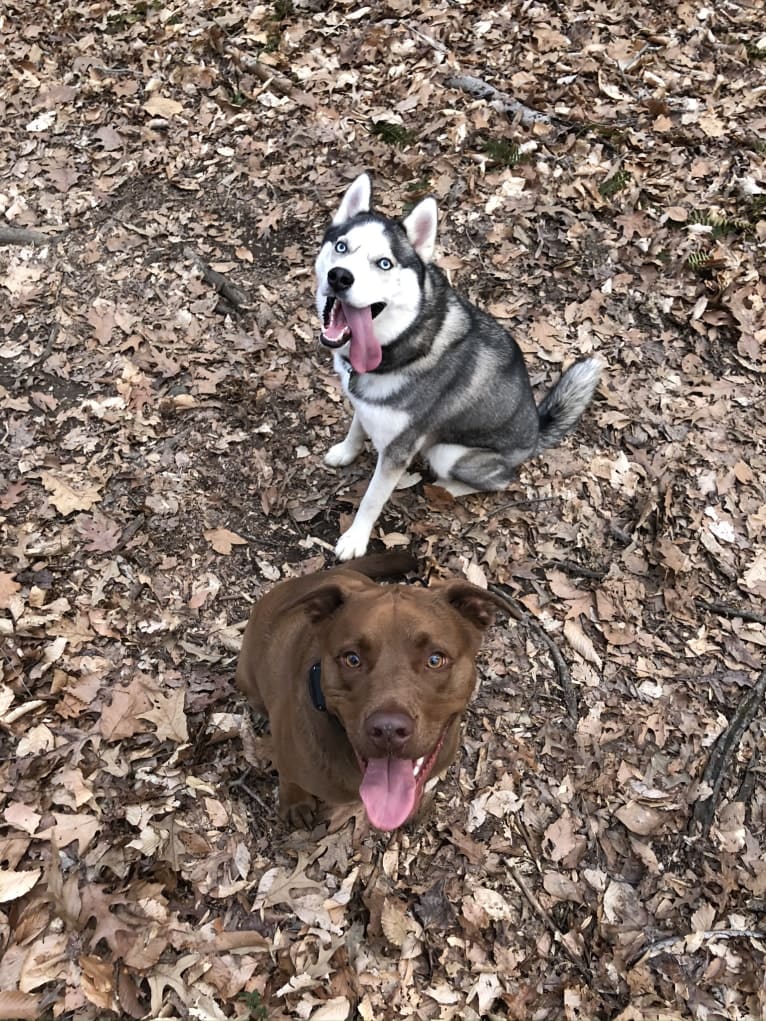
427,39
548,922
723,750
497,100
522,503
45,353
747,786
277,82
22,236
707,934
518,613
128,532
578,570
251,793
232,294
646,48
724,610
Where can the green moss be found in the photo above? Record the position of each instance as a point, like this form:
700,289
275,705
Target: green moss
614,184
501,151
392,134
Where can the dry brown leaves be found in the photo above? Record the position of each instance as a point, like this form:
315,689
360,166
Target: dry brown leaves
160,466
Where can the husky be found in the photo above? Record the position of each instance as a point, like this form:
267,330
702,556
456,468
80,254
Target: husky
425,370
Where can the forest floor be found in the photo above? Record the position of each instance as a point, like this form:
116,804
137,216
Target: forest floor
161,450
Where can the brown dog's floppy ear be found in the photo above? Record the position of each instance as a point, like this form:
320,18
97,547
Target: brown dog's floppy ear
320,602
474,603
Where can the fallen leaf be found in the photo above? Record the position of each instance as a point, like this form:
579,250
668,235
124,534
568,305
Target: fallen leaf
19,1006
337,1009
222,540
102,533
15,884
162,106
67,496
581,643
8,588
168,716
639,818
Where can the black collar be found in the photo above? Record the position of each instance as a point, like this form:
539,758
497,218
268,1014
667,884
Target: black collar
315,688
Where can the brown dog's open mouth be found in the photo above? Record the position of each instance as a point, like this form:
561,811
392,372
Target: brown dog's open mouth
392,788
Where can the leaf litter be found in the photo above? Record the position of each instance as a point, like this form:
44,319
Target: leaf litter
166,172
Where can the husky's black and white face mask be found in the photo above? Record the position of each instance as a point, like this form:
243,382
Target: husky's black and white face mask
370,272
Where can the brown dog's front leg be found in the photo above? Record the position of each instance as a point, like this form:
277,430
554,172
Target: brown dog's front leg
296,806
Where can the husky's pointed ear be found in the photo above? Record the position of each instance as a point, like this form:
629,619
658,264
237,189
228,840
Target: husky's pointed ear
356,200
421,227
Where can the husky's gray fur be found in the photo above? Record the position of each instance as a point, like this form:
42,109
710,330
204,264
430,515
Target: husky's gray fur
426,371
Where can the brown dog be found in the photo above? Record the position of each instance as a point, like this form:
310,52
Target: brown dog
364,684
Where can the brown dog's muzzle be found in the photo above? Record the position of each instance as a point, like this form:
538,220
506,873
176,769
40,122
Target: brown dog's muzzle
392,785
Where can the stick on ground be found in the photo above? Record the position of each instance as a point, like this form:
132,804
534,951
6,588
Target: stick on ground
22,236
518,613
724,610
234,295
498,100
724,749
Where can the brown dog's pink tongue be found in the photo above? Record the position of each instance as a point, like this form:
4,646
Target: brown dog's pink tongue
388,791
364,353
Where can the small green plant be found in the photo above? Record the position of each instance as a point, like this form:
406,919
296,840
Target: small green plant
501,151
283,9
420,186
719,225
392,134
117,20
254,1003
608,188
236,96
698,262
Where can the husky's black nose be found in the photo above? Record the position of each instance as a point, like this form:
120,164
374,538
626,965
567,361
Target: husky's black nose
340,279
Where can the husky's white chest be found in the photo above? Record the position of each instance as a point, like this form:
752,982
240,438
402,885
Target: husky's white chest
382,422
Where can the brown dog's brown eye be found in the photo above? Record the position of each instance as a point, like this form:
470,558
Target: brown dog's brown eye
436,661
352,659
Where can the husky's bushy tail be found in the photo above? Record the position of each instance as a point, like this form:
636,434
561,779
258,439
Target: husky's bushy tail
561,408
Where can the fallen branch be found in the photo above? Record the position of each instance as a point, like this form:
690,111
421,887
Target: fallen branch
548,922
707,934
276,82
497,100
128,532
724,610
46,351
234,295
724,749
22,236
520,614
577,570
427,39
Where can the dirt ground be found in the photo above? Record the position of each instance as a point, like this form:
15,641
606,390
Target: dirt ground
598,848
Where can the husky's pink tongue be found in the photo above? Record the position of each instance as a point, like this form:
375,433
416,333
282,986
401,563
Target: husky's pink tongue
388,791
364,353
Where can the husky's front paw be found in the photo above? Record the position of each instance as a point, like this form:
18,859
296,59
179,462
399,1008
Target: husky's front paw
352,543
342,454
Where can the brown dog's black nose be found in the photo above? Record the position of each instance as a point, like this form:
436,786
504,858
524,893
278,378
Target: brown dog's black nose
340,279
389,732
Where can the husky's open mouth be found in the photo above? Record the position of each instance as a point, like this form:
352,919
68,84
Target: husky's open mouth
343,324
392,788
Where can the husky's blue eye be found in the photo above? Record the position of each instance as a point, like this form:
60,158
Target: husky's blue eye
341,247
385,263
